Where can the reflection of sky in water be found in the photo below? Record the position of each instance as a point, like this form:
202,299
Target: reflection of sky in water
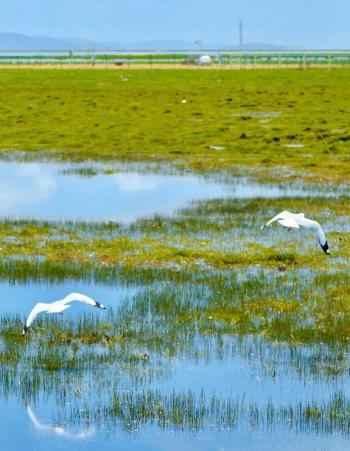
236,378
22,435
40,191
37,190
240,373
21,298
24,184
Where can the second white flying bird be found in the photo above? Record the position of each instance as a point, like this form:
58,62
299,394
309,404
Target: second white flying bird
58,307
295,220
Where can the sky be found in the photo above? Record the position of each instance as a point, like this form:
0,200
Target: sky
292,23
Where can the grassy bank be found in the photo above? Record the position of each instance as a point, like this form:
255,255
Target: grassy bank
216,234
202,120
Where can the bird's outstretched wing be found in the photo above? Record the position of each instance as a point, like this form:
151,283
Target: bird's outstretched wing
57,307
38,308
289,222
284,215
81,298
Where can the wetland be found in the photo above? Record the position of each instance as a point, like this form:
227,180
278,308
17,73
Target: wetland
217,335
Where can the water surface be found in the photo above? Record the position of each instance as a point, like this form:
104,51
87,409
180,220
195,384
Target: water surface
55,191
225,389
168,383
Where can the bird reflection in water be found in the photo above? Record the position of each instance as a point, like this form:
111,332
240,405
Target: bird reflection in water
57,429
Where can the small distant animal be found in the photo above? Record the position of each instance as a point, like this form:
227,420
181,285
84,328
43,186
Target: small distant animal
295,220
58,307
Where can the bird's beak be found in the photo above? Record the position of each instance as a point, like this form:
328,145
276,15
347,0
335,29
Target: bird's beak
98,305
24,331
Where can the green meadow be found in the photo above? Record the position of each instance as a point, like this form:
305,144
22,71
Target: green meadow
258,119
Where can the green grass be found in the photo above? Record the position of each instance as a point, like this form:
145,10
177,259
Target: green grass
282,59
78,115
218,234
305,307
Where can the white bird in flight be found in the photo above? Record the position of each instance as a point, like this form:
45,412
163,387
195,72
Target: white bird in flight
58,307
294,220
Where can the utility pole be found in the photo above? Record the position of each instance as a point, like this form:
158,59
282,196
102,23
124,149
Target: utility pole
240,34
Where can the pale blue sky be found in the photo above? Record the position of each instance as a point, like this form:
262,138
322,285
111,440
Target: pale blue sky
299,23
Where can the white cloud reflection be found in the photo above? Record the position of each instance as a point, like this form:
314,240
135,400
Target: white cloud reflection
24,184
132,182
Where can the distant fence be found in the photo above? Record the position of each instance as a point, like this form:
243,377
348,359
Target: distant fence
180,58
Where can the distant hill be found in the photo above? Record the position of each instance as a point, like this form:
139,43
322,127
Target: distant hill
259,46
16,42
188,45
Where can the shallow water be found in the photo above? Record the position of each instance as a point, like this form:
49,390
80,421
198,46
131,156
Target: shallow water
54,191
187,389
224,387
36,190
22,434
20,299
